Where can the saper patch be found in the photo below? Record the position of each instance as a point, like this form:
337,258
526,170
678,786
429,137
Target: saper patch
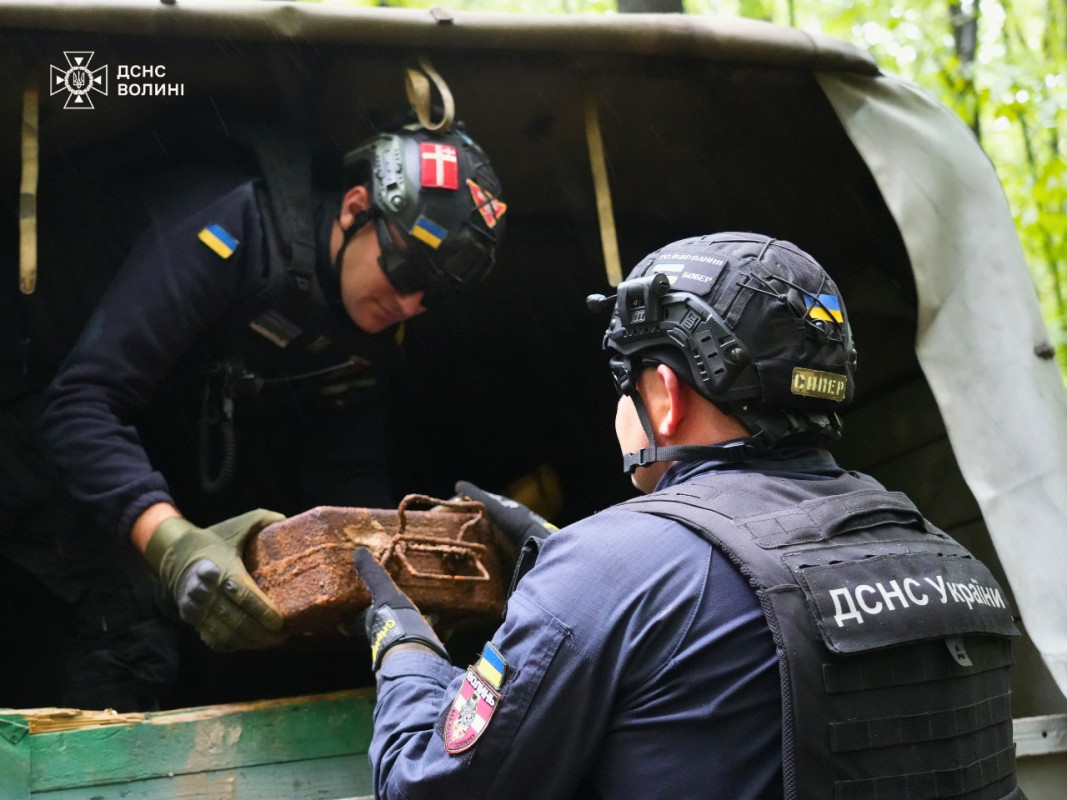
815,383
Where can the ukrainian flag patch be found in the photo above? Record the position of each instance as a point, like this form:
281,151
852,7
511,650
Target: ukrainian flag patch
491,666
218,239
426,230
825,306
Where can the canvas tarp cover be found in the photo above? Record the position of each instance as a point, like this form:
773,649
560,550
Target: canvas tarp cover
979,334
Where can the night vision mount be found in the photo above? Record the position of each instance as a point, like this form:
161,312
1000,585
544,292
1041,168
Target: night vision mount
682,331
679,329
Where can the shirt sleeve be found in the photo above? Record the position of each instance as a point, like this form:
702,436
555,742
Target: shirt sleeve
172,289
576,637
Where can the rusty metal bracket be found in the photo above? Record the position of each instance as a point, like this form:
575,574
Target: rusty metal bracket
443,551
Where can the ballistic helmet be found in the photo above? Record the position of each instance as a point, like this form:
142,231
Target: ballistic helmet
752,323
436,205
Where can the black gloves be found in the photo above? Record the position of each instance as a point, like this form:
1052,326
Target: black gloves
516,521
391,618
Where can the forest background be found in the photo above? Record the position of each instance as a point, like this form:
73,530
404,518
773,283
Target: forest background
1001,65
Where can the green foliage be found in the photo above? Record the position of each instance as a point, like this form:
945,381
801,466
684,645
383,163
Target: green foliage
1011,89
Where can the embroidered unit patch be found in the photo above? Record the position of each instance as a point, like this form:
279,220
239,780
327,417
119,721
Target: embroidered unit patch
218,239
815,383
489,207
440,166
470,713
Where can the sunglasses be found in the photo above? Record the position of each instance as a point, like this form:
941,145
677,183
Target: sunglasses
465,260
401,266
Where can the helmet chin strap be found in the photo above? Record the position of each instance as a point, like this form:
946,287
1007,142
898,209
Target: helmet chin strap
734,450
361,219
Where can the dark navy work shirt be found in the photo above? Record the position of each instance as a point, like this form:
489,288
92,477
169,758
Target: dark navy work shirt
639,665
165,315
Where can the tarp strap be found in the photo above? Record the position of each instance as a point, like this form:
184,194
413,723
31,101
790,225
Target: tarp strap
417,82
28,189
608,236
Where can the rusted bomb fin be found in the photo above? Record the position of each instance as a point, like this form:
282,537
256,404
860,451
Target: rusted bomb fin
450,561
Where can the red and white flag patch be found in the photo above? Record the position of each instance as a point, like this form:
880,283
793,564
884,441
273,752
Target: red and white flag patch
470,712
440,166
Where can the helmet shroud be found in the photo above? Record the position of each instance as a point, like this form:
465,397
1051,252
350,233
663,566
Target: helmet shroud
439,193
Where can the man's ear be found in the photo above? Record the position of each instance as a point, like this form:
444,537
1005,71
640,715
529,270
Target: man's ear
355,200
678,399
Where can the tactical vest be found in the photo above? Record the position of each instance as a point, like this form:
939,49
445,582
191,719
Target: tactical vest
289,341
291,333
893,641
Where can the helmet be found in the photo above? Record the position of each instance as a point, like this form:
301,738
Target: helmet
752,323
436,203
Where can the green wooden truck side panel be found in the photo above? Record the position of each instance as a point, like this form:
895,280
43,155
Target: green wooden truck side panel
312,748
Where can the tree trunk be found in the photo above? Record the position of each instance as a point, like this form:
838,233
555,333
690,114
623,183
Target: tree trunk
964,19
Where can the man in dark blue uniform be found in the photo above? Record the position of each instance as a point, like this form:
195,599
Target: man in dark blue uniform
252,330
760,624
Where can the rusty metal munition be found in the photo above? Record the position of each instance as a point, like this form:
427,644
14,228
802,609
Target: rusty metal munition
447,560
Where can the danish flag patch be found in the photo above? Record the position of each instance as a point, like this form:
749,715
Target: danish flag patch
440,166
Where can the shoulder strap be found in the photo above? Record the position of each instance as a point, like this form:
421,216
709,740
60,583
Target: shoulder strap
285,161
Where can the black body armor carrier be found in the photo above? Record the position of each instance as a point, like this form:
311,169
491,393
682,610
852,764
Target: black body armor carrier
291,340
893,641
293,333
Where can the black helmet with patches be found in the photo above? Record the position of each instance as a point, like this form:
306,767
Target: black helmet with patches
436,202
752,323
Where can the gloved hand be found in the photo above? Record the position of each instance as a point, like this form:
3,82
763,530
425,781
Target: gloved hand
391,618
203,571
513,518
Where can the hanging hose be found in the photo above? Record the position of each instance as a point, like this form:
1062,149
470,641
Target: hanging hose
216,413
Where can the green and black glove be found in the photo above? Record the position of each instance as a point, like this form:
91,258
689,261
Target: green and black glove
513,518
391,618
203,571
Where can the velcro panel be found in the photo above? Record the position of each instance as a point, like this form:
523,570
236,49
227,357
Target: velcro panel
824,518
929,662
889,600
855,735
932,785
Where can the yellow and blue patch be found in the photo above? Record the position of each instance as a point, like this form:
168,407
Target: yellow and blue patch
428,231
491,666
218,239
825,306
